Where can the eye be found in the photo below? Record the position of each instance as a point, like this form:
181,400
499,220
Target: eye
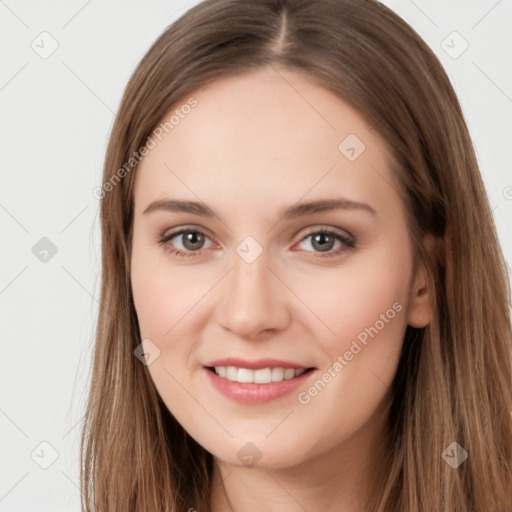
323,240
191,241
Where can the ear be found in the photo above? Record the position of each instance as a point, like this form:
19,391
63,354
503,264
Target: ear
420,300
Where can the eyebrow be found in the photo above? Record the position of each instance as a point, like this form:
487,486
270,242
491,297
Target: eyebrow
292,212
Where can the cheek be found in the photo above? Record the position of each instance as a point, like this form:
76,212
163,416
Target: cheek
165,296
362,309
166,301
367,293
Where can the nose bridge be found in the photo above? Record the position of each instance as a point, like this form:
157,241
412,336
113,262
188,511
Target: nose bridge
253,299
250,276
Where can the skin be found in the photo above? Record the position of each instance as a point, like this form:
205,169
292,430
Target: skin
253,146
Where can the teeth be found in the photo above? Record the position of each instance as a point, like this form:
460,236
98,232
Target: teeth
277,374
261,376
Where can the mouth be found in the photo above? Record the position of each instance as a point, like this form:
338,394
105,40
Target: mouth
258,376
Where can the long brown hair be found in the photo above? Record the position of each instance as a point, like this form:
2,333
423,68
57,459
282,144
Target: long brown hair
454,380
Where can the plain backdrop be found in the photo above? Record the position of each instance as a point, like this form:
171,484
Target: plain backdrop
64,66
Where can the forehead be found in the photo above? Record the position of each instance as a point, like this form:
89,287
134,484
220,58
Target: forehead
271,134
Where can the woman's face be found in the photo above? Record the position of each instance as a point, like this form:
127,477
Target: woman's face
296,255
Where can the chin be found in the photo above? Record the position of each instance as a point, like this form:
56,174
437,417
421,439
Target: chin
260,455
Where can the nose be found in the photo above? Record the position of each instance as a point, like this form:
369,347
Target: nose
254,301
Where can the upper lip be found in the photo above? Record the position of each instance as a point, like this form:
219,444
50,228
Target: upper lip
256,364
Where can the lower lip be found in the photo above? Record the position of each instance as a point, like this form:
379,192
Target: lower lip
251,393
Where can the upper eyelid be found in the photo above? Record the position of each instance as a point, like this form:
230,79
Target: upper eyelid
179,231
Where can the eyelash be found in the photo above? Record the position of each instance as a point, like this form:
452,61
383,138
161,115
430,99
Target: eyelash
348,243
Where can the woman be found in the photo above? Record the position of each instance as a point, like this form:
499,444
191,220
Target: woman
304,304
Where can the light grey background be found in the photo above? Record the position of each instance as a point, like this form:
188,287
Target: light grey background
56,114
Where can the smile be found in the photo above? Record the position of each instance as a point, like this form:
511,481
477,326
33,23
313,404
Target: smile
256,386
260,376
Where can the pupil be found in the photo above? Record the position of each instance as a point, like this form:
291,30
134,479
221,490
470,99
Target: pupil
321,239
193,238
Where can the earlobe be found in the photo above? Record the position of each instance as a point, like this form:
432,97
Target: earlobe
421,298
420,301
420,309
